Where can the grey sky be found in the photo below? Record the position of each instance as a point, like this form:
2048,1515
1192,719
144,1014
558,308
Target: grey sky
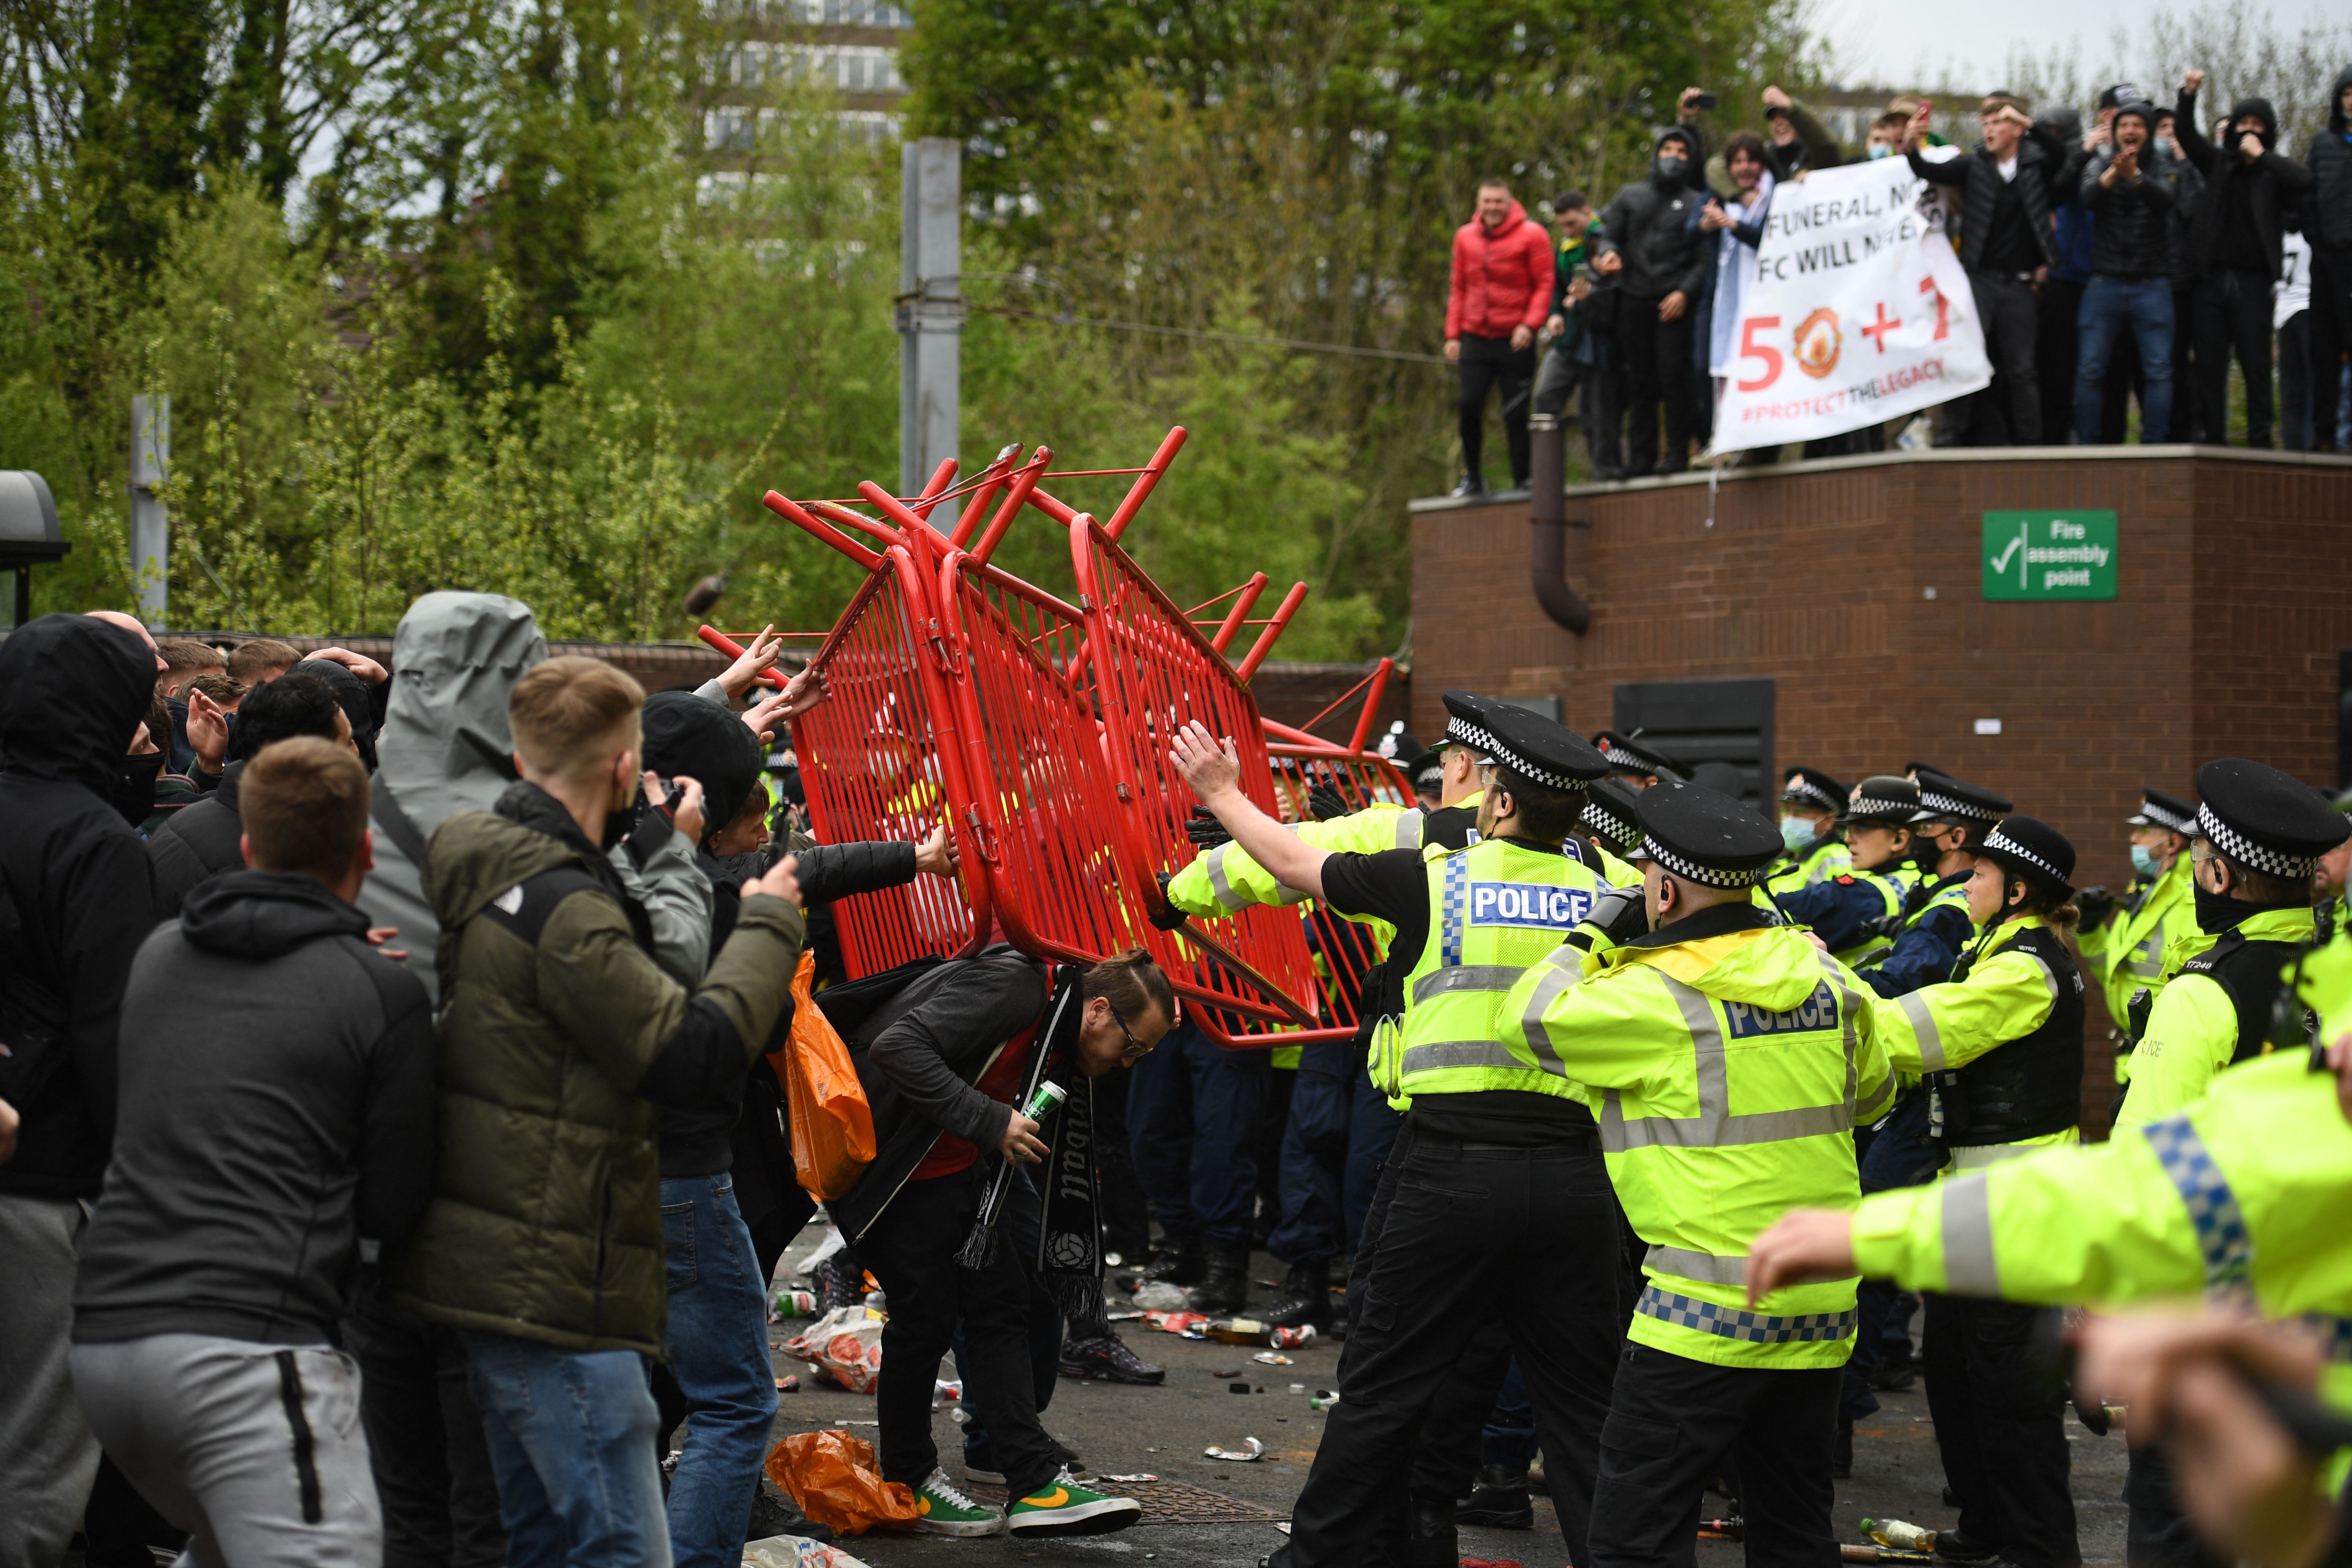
1907,42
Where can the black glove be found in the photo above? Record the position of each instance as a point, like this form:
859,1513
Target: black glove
1168,917
1619,914
1205,830
2097,904
1887,926
1325,804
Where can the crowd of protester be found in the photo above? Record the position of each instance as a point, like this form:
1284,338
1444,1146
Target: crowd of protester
2130,261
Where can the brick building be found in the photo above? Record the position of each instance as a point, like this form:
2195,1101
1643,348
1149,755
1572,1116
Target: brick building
1834,613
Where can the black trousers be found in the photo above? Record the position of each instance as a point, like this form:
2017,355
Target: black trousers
911,1250
1999,1424
2331,337
2156,1532
2057,338
2009,412
1674,1423
1487,363
2295,382
2230,314
432,1463
1470,1235
1658,367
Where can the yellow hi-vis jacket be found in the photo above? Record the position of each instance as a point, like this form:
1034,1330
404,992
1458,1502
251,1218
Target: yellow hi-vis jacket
1225,880
1816,862
2192,1030
2129,951
1728,1073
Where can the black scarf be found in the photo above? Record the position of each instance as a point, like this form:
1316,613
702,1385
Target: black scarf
2219,913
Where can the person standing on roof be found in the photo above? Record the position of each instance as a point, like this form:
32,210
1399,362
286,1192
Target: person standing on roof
1501,292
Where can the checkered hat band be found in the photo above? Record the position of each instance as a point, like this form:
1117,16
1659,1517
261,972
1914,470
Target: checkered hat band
2246,852
1620,757
1507,758
1470,735
1610,826
1865,806
2007,846
1803,789
2163,817
1930,799
1689,871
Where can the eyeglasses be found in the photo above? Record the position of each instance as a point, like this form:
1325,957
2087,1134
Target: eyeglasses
1136,1049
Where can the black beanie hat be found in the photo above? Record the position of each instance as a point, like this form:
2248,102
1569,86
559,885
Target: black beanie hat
689,735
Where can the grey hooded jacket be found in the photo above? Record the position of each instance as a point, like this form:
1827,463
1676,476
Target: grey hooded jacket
444,746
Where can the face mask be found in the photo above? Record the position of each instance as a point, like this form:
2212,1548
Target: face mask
134,787
1880,150
2164,145
1796,832
2146,862
1670,168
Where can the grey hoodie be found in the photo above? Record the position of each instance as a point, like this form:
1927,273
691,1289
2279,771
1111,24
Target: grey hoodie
444,744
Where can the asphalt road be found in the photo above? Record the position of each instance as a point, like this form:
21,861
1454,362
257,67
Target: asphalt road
1162,1431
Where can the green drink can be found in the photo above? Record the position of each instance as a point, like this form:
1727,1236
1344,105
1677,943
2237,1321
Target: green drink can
1046,1101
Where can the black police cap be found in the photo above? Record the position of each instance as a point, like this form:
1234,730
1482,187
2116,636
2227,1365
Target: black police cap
1943,798
1539,749
2265,819
1609,813
1884,799
2033,849
1465,717
1704,835
1810,787
2157,809
1628,756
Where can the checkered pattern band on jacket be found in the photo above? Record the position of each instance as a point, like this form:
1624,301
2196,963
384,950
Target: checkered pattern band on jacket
1730,1323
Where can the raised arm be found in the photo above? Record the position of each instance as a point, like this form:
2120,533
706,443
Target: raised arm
1213,772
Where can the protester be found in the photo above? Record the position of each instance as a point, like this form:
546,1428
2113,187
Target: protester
1500,293
2327,225
276,1114
2132,208
1569,367
2058,301
2234,234
1799,140
1738,223
184,659
1662,264
257,660
541,1244
2006,197
202,841
2291,323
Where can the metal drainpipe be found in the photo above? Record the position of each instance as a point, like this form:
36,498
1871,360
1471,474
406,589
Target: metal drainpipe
1547,521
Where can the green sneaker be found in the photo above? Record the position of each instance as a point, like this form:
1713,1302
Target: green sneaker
941,1509
1062,1507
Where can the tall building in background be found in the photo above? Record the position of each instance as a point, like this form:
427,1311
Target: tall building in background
849,47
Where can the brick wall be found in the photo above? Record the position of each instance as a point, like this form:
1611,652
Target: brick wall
2235,595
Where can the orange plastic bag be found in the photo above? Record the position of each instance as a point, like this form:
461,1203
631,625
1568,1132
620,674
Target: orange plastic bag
833,1127
831,1476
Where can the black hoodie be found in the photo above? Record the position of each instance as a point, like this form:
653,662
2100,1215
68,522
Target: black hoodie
2329,161
2238,194
76,894
276,1107
1646,225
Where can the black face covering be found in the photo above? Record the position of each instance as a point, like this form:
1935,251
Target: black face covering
134,793
1668,171
2217,913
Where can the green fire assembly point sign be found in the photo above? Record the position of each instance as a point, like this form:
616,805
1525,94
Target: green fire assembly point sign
2049,555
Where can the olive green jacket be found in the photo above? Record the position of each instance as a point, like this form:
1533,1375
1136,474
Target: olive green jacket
545,1220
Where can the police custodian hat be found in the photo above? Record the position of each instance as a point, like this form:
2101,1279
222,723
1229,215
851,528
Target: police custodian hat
2265,819
1627,756
2157,809
1465,721
1609,813
1704,835
1537,749
1884,799
2033,849
1943,798
1426,773
1810,787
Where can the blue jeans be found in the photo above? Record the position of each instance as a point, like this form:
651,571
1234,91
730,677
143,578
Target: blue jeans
571,1439
717,1336
1192,1110
1509,1439
2110,304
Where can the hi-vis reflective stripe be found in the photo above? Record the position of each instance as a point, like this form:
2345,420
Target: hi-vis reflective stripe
1969,1266
1222,885
1435,1056
1407,829
2213,1207
1727,1322
1565,965
1714,1268
1715,1127
1922,1027
1497,978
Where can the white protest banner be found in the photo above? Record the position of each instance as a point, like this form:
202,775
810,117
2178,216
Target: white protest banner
1859,311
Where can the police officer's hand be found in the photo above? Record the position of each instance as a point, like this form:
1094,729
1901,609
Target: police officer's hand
1325,804
1803,1246
1619,914
2097,904
1020,1144
1168,917
1205,830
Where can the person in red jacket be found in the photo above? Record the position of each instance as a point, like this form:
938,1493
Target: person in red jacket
1500,295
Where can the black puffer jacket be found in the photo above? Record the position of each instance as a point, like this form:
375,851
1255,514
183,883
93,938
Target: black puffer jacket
199,842
2279,183
2041,160
76,896
1648,225
2132,218
2328,226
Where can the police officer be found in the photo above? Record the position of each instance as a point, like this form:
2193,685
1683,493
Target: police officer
1636,766
1611,830
1338,1124
1426,773
2123,941
1809,803
1497,1206
2002,1045
1729,1059
2260,836
1857,911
